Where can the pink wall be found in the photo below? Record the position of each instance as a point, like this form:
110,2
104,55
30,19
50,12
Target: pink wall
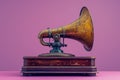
22,20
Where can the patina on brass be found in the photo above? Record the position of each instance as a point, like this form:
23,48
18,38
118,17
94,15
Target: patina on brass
80,30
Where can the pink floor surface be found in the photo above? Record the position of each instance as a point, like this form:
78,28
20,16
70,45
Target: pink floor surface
101,75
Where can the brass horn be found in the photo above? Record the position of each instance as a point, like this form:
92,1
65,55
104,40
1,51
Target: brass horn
80,30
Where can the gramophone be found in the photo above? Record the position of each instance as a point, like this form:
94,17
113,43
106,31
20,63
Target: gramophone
56,62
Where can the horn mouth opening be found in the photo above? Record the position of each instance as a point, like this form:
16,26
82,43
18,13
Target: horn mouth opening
84,11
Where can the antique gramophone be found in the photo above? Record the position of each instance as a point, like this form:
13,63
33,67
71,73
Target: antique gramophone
56,62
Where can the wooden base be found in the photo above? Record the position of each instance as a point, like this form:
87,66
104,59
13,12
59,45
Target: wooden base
59,66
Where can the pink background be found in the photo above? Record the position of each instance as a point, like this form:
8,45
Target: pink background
22,20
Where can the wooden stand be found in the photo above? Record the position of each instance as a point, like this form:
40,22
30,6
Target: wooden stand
59,66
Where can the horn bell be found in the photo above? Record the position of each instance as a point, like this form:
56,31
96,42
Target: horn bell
81,30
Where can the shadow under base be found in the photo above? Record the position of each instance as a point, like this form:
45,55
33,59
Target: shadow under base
58,74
